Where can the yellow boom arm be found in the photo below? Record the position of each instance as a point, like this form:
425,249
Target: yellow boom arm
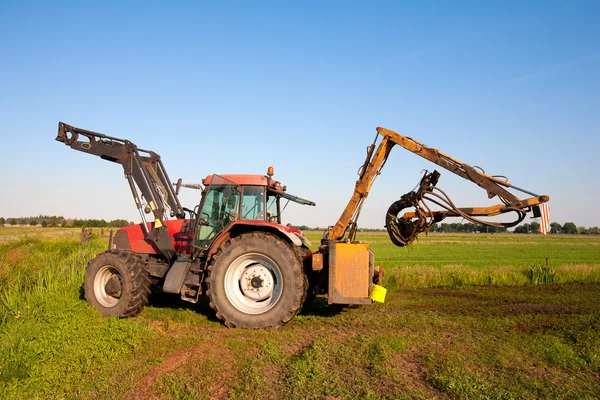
404,229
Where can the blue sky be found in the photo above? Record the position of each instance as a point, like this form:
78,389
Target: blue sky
233,87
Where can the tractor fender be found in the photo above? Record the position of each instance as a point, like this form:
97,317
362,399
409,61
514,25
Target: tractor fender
134,239
293,236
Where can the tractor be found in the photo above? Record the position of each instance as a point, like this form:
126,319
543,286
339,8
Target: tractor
234,248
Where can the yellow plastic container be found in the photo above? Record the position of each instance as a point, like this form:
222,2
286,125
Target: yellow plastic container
378,293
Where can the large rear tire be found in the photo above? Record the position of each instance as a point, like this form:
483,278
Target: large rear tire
116,284
255,280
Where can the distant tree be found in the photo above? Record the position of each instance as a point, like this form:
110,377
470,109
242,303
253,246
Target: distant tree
118,223
555,227
521,228
490,229
305,228
33,222
594,231
44,223
528,228
499,230
54,221
569,228
12,221
63,223
2,221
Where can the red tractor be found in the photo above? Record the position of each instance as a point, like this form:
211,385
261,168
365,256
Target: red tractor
233,247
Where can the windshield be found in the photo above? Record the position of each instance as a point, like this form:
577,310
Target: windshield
220,207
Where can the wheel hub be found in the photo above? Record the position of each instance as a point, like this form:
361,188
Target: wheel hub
108,286
113,287
257,282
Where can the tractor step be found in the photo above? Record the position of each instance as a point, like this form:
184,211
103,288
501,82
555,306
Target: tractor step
176,276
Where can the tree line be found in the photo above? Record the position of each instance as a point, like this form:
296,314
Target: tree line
60,221
534,227
568,227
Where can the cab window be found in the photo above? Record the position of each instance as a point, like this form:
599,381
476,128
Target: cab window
273,208
253,203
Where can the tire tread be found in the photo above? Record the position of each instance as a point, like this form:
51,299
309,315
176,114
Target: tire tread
288,253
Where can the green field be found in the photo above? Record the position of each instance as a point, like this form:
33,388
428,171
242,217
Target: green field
455,260
468,316
482,250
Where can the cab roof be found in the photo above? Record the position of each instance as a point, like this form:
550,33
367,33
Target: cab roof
246,179
259,180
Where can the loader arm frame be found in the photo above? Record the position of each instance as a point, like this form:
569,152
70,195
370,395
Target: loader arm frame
374,162
143,169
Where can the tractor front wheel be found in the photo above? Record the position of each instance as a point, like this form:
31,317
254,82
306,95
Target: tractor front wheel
116,284
255,280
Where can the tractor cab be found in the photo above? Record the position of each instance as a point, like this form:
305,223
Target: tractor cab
240,199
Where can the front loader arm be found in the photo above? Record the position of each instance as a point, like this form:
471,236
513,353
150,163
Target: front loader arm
405,229
144,171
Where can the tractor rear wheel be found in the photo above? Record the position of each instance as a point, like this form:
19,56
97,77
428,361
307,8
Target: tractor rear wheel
255,280
116,284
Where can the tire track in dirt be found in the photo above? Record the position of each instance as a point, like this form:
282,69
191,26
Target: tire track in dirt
210,348
143,388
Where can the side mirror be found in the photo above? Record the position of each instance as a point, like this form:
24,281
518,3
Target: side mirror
178,186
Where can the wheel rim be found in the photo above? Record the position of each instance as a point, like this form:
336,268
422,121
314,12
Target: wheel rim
108,284
253,283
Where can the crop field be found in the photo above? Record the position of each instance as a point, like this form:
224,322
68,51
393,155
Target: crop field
467,316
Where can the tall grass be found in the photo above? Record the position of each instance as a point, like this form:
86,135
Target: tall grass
31,266
454,276
541,275
49,337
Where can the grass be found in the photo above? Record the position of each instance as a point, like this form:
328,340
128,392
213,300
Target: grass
444,331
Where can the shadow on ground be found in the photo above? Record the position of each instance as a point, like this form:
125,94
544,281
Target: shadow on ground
316,308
